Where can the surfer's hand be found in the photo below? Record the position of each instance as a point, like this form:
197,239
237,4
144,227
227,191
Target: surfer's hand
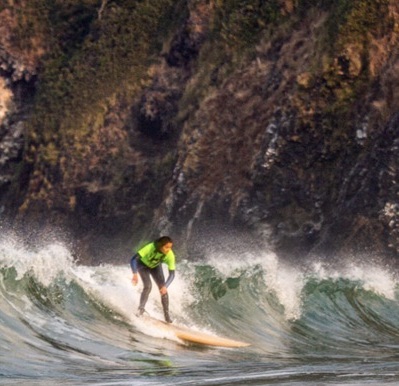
163,290
135,279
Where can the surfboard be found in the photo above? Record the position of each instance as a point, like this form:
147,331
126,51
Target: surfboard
188,335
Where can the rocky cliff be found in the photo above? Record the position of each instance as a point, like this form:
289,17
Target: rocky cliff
271,121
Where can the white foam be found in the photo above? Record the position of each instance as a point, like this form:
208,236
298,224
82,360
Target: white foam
46,263
371,276
113,286
285,281
288,281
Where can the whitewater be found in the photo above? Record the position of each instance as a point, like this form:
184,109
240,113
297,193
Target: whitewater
65,323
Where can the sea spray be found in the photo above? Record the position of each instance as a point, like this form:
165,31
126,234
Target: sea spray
371,276
45,263
285,281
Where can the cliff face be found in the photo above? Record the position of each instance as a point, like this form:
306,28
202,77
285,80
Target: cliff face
276,121
299,145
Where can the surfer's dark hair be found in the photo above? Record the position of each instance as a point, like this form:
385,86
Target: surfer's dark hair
159,243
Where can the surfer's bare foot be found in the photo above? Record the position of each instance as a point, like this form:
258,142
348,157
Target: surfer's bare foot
140,312
168,319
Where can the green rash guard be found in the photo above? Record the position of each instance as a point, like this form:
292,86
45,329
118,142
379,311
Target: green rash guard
152,258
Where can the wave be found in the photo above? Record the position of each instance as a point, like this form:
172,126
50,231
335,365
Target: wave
57,315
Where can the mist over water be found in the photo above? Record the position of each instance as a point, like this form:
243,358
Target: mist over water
65,323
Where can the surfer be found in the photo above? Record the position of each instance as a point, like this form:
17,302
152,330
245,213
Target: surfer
147,262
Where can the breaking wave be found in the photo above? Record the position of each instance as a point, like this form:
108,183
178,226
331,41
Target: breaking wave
73,324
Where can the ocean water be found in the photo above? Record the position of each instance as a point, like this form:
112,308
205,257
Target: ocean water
62,323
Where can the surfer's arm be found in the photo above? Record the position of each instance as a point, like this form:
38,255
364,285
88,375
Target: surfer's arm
133,265
170,278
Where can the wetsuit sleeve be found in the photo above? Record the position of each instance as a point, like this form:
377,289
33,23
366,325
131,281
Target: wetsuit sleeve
133,262
170,278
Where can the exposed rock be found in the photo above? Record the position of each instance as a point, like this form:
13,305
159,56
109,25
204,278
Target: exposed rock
19,64
5,99
305,80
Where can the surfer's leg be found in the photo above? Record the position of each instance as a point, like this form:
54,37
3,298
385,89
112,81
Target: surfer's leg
157,274
165,306
146,279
